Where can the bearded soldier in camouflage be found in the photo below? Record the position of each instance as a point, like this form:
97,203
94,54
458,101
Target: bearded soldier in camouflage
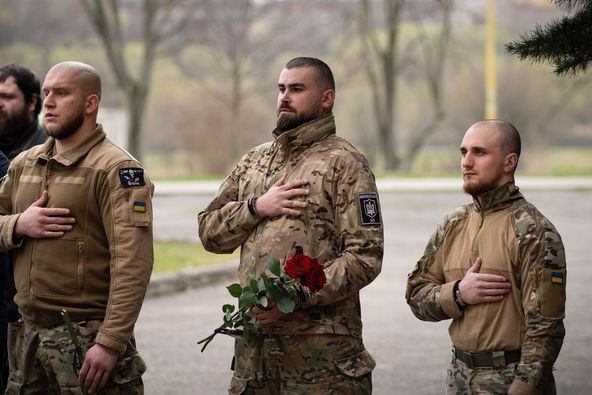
497,268
306,188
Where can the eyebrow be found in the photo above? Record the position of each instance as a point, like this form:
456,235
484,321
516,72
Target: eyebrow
292,85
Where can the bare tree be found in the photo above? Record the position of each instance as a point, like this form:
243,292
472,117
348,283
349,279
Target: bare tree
386,57
434,51
235,54
382,68
162,19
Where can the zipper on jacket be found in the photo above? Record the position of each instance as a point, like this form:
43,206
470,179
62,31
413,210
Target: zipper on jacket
477,232
80,266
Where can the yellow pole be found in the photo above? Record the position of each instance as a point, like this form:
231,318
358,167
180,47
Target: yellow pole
490,77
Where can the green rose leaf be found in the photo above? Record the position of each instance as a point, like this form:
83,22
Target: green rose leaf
247,299
228,308
273,264
286,305
263,301
235,290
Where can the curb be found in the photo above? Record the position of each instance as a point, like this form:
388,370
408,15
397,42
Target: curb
162,284
385,185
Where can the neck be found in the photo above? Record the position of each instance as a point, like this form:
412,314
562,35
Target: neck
62,145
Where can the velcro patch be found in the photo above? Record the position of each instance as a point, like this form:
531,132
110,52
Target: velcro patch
556,277
139,207
131,177
369,209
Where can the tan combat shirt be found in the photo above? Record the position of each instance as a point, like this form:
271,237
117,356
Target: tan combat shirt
516,241
101,268
341,225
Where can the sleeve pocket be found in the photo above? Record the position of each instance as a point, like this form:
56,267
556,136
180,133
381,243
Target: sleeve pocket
553,292
141,207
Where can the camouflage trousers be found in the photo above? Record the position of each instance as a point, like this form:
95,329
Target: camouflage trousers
302,365
41,361
461,380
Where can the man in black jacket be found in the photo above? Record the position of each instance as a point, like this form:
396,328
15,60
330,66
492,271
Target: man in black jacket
20,104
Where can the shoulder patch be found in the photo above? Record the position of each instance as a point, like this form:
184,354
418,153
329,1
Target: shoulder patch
131,177
369,208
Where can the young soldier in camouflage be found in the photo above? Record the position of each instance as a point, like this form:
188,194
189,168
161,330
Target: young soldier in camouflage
93,258
497,268
309,188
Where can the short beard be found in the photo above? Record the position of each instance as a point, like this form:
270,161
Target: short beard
288,123
13,128
68,129
478,189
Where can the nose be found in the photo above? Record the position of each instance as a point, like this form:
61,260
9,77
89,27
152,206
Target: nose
47,101
467,161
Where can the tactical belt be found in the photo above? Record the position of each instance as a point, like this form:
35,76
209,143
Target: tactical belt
491,359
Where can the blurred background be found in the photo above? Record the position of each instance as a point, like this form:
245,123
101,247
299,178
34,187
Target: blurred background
190,85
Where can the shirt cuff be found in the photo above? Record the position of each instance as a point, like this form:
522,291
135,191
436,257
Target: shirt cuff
447,301
108,340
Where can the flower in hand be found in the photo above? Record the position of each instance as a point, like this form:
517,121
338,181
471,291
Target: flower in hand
279,291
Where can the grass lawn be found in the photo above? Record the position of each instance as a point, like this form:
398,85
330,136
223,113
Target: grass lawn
172,256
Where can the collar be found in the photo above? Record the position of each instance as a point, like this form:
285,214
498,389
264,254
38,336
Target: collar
72,155
498,198
307,133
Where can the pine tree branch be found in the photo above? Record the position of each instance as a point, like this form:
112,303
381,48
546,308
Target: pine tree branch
566,43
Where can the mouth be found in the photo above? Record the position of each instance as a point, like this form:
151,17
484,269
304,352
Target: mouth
468,174
285,110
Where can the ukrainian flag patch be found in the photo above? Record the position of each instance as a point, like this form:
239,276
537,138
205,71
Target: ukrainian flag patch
139,207
556,277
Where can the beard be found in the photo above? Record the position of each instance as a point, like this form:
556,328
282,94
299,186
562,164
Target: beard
67,129
478,188
11,128
287,122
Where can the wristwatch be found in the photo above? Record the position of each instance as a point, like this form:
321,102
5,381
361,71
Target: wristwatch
457,298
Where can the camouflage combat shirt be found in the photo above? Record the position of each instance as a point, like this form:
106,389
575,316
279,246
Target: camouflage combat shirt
516,241
341,226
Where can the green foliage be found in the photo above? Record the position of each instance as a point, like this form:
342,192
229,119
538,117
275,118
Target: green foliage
566,43
279,290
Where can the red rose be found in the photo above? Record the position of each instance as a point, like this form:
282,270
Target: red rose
297,265
315,278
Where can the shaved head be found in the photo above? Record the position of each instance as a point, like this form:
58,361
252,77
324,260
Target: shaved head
508,134
82,74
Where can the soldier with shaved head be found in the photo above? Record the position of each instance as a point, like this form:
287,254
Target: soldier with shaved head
496,268
76,213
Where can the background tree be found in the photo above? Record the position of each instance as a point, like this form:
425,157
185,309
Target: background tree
160,21
566,43
386,56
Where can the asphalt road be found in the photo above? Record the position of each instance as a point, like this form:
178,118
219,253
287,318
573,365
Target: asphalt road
411,355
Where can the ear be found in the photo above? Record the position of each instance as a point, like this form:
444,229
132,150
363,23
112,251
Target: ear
510,163
92,104
33,103
328,99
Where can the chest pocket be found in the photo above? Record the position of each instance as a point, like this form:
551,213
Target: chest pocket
58,267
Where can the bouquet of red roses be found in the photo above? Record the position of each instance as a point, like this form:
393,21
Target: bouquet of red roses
281,290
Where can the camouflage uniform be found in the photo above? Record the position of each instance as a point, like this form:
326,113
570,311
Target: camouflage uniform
53,349
98,271
516,241
341,227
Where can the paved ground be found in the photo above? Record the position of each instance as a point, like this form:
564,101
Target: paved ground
412,355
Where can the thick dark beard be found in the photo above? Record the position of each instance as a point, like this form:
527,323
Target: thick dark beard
67,129
13,128
288,123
